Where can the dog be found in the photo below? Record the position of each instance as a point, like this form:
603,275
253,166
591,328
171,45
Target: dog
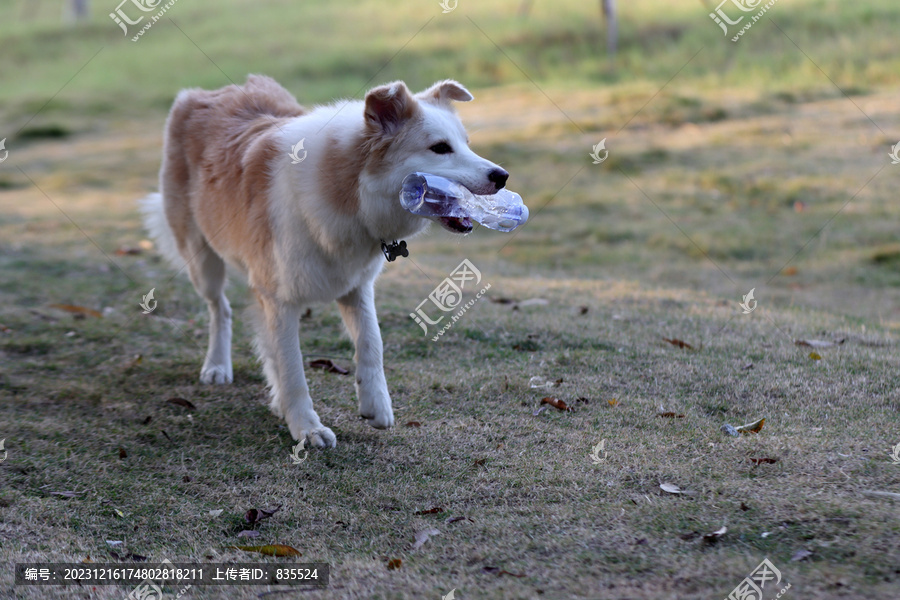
303,228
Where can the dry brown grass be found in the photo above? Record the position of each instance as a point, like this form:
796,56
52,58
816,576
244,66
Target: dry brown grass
537,503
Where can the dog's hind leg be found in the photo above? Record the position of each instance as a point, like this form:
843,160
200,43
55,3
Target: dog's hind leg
358,311
207,271
279,345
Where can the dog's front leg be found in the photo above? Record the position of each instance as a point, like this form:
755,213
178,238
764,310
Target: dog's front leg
279,344
358,311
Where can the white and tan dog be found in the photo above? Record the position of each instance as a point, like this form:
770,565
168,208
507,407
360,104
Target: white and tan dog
307,231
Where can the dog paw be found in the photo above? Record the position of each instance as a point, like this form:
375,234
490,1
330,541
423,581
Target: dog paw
380,420
375,407
319,437
216,374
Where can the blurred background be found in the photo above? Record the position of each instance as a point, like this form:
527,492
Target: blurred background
732,165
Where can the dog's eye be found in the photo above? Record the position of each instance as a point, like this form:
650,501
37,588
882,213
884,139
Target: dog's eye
441,148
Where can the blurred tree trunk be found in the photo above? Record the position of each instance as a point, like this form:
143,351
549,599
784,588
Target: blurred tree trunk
612,26
609,12
525,8
78,10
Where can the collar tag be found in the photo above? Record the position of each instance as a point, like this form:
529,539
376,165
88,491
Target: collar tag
394,249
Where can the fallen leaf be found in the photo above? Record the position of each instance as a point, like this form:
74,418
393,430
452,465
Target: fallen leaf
582,310
394,564
533,302
744,506
128,556
78,310
250,533
670,487
135,361
147,420
114,543
712,538
747,367
499,572
613,402
217,512
67,494
764,461
538,382
815,356
789,271
456,519
122,453
413,424
765,534
326,365
502,300
556,403
128,251
186,479
430,511
119,513
539,411
680,343
182,402
670,415
423,536
801,555
819,343
270,550
254,515
754,427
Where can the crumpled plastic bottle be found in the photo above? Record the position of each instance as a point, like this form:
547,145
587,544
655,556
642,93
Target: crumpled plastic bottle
434,196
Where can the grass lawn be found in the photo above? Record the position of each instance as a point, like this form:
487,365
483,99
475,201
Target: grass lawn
762,164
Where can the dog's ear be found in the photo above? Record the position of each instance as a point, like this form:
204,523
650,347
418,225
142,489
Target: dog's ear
389,106
444,91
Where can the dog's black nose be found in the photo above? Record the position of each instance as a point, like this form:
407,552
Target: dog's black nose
498,177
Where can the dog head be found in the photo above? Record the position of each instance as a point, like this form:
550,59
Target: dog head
422,132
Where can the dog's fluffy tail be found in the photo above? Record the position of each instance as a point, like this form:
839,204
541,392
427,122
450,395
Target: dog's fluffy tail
154,211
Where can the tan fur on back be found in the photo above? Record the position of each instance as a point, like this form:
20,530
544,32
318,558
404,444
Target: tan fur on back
226,141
